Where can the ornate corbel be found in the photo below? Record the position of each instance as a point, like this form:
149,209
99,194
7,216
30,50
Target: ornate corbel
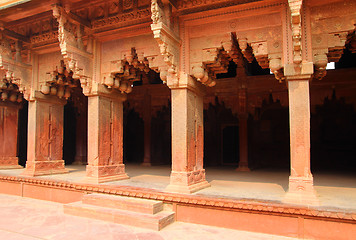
168,42
76,58
246,49
15,70
261,53
120,74
276,67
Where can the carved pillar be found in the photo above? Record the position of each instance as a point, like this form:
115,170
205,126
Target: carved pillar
105,138
301,190
243,143
243,117
45,136
8,135
187,174
147,129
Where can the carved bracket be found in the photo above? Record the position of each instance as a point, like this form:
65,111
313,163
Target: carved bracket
328,48
76,58
169,43
213,58
60,82
122,73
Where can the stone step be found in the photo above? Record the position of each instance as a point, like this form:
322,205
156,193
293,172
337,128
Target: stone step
151,221
123,203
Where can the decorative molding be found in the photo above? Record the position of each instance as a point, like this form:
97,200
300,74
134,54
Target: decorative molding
120,18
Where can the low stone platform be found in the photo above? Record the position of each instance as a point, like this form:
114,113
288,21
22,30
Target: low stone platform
229,203
123,210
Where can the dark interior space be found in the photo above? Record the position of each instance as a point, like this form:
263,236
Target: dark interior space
161,143
69,133
133,135
347,60
230,145
75,128
269,136
216,117
333,135
22,134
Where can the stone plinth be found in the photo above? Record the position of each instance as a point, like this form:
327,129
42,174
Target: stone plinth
105,138
8,135
187,174
45,136
301,189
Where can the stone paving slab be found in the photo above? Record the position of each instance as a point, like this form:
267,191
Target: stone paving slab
30,219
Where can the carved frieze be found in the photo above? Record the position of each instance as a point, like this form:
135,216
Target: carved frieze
120,18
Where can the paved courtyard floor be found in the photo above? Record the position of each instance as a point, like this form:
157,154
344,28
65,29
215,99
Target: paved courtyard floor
335,190
31,219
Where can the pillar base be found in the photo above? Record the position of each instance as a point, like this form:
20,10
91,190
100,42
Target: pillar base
80,160
9,163
146,164
39,168
301,191
243,168
187,182
110,173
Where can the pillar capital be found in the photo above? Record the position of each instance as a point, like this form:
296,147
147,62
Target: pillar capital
99,90
52,99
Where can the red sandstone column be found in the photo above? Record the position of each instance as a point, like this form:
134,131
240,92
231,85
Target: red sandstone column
45,136
301,188
187,174
81,139
243,143
243,134
147,129
105,138
8,135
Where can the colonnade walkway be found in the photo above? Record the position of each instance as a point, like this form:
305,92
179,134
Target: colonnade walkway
335,190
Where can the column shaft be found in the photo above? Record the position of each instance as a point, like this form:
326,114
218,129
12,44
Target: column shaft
187,174
243,143
105,139
147,129
301,188
45,137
